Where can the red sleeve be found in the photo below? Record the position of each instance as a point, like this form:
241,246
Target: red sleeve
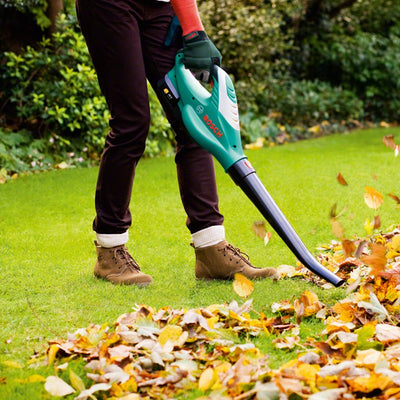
188,15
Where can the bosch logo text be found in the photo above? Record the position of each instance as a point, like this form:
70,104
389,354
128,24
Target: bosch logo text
212,126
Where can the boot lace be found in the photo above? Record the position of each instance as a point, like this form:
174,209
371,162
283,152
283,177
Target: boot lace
127,260
237,252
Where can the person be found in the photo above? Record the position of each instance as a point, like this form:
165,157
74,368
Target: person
126,41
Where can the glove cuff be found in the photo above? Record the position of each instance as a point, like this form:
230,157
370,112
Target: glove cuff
195,36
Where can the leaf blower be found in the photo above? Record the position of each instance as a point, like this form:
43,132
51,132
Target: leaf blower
212,120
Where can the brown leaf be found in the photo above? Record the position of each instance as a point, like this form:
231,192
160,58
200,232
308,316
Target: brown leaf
377,222
377,258
341,180
395,198
348,247
372,198
388,141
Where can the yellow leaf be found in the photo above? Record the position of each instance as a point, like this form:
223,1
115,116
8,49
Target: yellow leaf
61,165
207,379
12,364
258,144
308,371
242,286
367,384
76,381
395,243
170,333
372,198
35,378
369,227
52,352
314,129
32,379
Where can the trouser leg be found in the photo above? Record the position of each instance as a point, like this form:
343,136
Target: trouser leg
111,30
125,40
195,166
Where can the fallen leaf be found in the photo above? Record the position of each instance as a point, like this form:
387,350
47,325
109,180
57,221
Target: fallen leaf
329,394
387,333
57,387
76,381
95,388
372,198
12,364
375,307
388,141
258,144
170,333
287,342
207,379
341,180
242,286
61,165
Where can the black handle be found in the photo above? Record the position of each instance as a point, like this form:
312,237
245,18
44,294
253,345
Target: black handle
244,175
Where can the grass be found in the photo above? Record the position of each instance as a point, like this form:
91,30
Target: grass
47,252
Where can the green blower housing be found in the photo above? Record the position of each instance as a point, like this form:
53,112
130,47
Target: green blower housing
212,120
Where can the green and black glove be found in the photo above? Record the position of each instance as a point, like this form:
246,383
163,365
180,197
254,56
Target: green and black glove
200,54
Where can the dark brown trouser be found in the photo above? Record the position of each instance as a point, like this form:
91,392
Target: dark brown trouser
125,39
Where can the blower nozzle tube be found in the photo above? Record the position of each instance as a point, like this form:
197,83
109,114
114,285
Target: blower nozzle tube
244,175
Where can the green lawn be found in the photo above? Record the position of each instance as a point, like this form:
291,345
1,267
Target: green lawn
47,252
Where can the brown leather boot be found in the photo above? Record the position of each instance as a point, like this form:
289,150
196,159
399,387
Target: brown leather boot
116,265
223,261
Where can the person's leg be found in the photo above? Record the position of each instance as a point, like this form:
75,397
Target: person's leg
215,258
195,166
111,31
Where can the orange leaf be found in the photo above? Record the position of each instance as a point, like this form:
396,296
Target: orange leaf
348,247
372,198
377,258
242,286
341,180
388,141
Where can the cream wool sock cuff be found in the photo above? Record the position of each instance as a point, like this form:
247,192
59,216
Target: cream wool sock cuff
208,236
111,240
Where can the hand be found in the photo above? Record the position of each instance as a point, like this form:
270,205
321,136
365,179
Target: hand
200,54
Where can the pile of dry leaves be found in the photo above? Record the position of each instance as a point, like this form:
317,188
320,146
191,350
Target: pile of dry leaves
162,354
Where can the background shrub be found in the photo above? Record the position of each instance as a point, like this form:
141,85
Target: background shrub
52,91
